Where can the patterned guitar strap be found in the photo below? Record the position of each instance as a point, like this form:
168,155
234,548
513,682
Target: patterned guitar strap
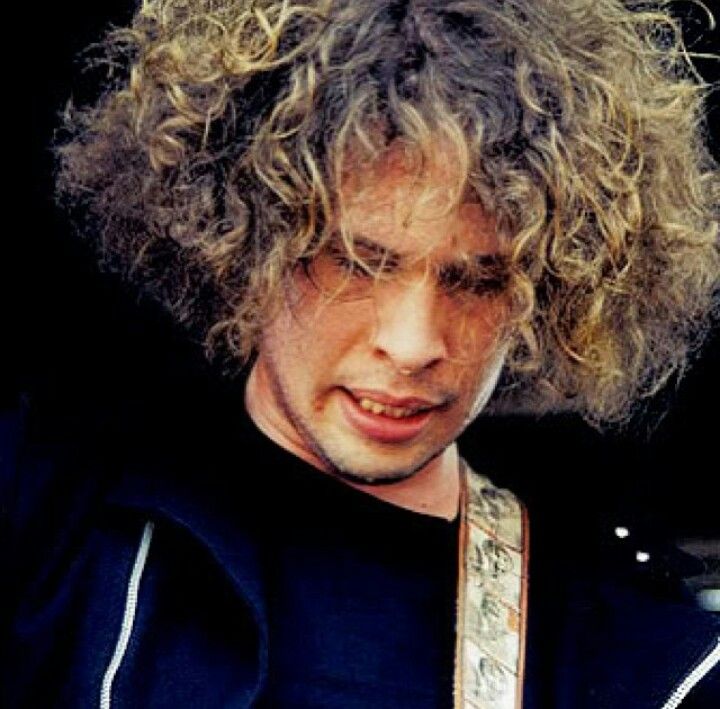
491,596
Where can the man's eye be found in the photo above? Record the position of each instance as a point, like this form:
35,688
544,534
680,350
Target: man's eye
364,267
336,273
461,281
351,267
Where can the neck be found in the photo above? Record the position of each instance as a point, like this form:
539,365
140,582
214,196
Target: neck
433,490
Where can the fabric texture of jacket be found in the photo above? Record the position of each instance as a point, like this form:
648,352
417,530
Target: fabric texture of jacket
134,581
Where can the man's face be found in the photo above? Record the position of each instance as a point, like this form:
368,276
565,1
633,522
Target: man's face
376,379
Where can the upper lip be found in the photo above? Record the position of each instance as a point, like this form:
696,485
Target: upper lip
406,402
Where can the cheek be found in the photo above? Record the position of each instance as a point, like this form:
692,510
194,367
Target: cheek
480,350
478,332
319,334
488,381
285,348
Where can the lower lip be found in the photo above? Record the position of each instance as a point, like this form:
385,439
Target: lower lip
383,428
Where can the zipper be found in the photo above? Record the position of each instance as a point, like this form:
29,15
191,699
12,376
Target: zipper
703,668
128,620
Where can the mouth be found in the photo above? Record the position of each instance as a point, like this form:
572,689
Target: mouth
386,419
396,412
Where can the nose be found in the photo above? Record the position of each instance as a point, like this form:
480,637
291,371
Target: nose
409,330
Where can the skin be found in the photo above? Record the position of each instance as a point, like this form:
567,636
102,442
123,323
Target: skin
408,337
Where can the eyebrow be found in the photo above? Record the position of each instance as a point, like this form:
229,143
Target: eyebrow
372,247
493,263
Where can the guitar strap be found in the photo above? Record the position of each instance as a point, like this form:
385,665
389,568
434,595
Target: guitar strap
491,597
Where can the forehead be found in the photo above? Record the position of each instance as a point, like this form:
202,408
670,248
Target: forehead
415,209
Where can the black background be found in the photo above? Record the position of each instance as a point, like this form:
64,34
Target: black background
76,338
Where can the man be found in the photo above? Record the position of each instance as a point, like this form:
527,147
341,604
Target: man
380,207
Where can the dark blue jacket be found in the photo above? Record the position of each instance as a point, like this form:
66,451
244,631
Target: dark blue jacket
93,623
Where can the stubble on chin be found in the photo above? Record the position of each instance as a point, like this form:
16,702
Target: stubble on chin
368,478
380,479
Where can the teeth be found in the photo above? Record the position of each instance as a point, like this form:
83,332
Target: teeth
377,408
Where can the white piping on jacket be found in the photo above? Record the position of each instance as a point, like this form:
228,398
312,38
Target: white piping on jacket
683,689
128,616
675,699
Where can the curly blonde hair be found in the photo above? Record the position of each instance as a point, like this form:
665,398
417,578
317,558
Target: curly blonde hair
209,169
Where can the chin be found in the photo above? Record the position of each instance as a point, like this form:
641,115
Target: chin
370,478
382,473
